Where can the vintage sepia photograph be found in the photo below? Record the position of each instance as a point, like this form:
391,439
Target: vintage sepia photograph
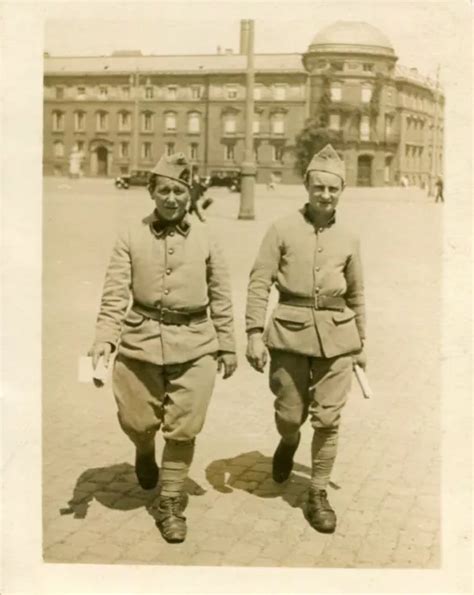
243,285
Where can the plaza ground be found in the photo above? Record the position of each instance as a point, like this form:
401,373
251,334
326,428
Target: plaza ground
386,482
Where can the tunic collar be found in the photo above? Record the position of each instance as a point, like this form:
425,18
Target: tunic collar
159,228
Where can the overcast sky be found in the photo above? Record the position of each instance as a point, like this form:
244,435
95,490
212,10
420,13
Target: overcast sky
422,33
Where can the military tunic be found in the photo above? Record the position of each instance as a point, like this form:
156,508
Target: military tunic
310,347
164,373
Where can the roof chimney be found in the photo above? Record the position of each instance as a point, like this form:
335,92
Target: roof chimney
244,36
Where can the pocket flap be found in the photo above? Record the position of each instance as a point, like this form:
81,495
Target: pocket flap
297,315
340,317
134,318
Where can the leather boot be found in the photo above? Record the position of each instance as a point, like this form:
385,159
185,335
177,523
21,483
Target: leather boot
146,469
320,514
170,518
283,460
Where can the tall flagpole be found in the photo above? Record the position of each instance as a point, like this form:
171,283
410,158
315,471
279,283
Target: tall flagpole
434,148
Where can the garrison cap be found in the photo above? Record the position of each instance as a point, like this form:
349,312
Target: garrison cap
327,160
175,167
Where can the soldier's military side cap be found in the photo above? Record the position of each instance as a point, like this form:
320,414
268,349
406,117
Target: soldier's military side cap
175,167
327,160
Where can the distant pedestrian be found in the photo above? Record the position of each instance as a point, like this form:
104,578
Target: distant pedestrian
198,189
75,160
173,338
316,332
439,190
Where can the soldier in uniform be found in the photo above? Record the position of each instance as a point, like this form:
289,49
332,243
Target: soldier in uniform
316,331
166,307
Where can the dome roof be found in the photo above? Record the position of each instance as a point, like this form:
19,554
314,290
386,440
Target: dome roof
358,35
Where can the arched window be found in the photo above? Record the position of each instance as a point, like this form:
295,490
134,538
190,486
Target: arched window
170,121
124,121
256,123
58,149
58,121
366,93
336,92
79,121
364,128
194,122
102,121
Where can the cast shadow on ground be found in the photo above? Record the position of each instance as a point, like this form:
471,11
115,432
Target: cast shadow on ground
252,472
116,487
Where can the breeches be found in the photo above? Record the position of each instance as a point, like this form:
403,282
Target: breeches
173,397
304,386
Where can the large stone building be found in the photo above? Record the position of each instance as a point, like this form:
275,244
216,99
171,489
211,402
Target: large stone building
125,110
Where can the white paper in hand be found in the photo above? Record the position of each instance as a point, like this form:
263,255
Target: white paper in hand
86,372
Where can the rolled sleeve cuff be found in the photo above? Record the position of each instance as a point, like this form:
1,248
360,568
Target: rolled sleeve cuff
226,344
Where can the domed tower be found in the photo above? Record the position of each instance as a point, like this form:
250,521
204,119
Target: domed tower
352,91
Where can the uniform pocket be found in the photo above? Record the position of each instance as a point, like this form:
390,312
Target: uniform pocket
341,317
134,319
293,318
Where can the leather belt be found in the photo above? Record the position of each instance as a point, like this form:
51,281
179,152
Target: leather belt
319,302
167,316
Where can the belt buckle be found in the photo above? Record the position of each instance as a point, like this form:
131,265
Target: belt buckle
164,315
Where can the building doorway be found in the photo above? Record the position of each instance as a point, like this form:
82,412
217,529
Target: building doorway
102,161
364,170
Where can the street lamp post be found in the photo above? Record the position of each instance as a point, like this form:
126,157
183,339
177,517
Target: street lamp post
434,139
136,123
248,168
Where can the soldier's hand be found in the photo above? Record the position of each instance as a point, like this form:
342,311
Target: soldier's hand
360,358
99,350
228,362
256,352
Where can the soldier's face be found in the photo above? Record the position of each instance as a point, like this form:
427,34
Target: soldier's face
324,190
171,199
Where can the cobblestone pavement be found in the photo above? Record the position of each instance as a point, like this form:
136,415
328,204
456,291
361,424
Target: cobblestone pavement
386,480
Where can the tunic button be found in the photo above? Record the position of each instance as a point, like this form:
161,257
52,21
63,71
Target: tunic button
318,269
170,251
317,289
320,249
167,291
171,233
320,229
168,271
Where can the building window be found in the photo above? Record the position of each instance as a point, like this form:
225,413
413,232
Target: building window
196,92
170,121
277,153
229,152
334,121
59,92
59,149
193,151
230,124
169,149
336,92
147,122
256,124
146,151
255,152
257,92
79,146
364,128
124,121
389,95
149,92
366,94
279,92
126,92
278,124
193,123
81,92
103,92
171,92
388,124
388,163
231,92
124,150
102,121
79,121
58,121
367,67
337,66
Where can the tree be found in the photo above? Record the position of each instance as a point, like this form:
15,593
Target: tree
312,138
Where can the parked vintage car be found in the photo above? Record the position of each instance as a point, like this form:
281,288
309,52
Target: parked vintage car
228,178
137,177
